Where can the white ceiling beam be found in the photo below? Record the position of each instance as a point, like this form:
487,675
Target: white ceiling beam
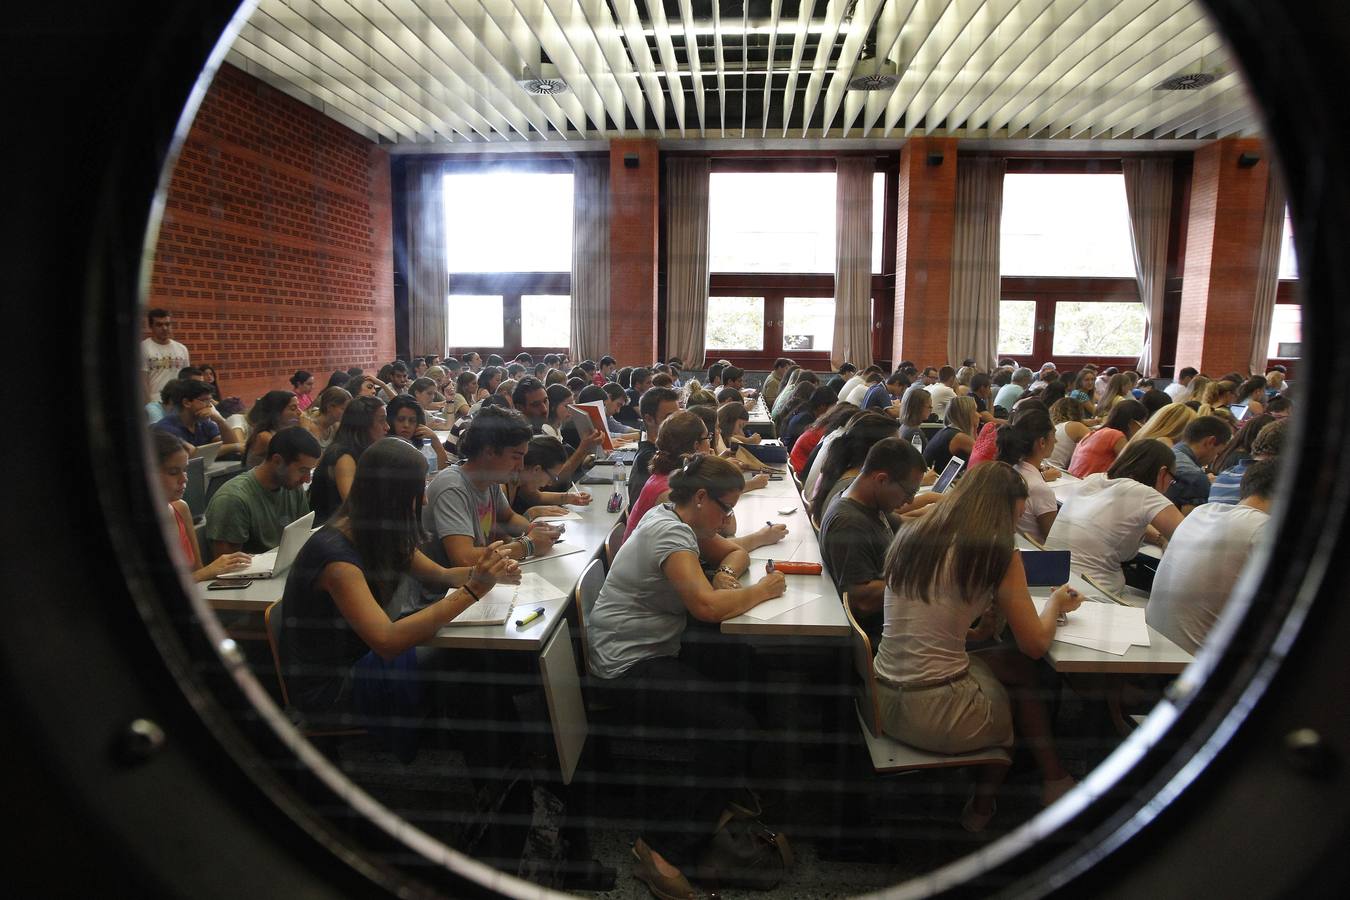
939,58
864,14
1104,95
407,117
501,24
961,54
915,48
1145,104
269,69
1200,123
593,35
1069,46
720,62
1179,113
480,48
1120,48
795,65
546,30
695,68
834,14
745,63
1242,122
670,63
894,17
775,8
642,59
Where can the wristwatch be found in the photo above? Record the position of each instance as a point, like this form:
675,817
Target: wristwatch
729,571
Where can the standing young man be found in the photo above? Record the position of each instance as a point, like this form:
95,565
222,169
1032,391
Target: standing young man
161,355
250,511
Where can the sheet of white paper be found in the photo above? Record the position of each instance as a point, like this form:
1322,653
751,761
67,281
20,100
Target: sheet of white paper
554,552
1117,648
565,517
772,609
533,589
784,549
1102,626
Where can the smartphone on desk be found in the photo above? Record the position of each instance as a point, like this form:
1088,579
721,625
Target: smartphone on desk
230,584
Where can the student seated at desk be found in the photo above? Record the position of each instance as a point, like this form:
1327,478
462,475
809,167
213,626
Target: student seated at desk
643,667
335,631
1105,521
250,511
1167,424
192,417
1204,437
543,459
915,408
799,418
1205,557
324,417
657,405
827,422
860,524
731,420
1267,444
986,442
173,460
616,400
405,417
846,457
467,507
957,438
274,411
1096,452
1025,443
815,464
1069,415
363,423
941,573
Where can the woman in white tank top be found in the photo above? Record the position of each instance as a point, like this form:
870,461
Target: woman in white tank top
1068,415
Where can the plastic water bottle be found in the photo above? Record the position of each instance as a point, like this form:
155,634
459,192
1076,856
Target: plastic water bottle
620,481
430,454
917,441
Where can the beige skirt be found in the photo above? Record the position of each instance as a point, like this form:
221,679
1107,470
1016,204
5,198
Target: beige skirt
971,713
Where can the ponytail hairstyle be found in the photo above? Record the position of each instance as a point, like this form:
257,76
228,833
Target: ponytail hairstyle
1067,409
1254,386
1216,390
1017,440
834,417
850,452
704,473
383,511
678,438
964,545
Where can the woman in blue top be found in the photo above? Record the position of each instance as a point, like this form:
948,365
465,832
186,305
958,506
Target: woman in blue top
635,650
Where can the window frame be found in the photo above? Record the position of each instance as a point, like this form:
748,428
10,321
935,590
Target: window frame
1046,291
511,286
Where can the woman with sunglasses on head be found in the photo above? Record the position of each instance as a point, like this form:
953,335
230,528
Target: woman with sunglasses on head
644,668
1107,519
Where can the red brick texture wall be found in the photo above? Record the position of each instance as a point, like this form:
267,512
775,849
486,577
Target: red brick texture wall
275,251
925,231
634,204
1223,246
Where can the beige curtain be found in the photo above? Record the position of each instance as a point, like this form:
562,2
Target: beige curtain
428,275
1267,273
975,285
853,262
590,258
686,259
1148,191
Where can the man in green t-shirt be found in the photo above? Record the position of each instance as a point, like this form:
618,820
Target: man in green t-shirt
250,511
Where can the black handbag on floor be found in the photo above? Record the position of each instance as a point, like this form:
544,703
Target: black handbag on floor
744,853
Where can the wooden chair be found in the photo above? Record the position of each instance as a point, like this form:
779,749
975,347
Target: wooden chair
612,545
272,619
888,755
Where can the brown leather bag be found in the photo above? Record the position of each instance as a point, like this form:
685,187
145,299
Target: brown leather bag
743,853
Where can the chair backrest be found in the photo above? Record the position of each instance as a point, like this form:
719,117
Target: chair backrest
208,555
861,646
272,619
584,597
195,494
796,479
613,543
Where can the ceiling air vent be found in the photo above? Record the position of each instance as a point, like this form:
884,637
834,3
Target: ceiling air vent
873,74
543,81
1187,81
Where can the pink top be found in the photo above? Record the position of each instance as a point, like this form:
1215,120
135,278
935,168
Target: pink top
1095,453
184,539
651,492
305,401
986,446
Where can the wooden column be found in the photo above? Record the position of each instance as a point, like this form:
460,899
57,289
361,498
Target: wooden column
925,232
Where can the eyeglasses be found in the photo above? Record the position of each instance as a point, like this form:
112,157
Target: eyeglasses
1171,478
726,510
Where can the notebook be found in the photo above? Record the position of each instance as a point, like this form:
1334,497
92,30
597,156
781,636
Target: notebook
1046,568
275,562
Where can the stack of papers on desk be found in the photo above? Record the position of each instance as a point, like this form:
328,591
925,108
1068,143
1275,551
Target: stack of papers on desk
1102,626
772,609
784,549
565,517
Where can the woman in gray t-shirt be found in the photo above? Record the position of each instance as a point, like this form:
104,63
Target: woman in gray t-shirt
634,649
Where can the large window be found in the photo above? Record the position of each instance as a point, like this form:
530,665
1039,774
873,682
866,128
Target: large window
545,320
735,323
808,323
1016,326
1288,259
475,320
771,222
1286,332
1098,329
508,222
1065,225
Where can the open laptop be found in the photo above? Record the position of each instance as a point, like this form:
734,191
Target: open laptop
208,453
949,474
1239,411
276,562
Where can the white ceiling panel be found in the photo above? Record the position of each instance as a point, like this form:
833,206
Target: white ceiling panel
412,73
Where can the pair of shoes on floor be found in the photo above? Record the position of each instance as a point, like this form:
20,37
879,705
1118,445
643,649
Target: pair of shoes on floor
975,822
1053,790
666,887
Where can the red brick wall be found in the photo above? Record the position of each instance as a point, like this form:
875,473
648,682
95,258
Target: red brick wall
275,249
925,230
633,208
1223,246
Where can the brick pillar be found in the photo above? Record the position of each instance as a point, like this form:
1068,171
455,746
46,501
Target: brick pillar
925,232
634,205
1223,248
